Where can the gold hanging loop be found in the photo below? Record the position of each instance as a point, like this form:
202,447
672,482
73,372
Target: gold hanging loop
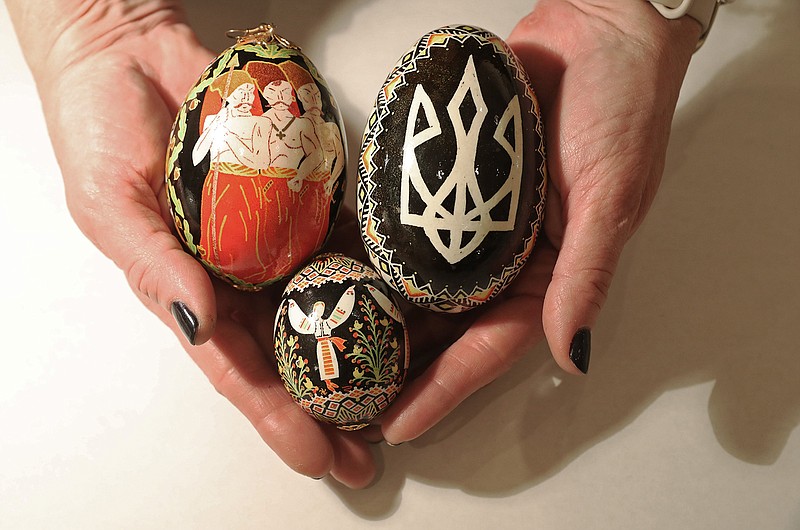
263,34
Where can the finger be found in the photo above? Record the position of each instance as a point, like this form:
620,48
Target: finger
235,364
157,267
591,246
372,433
485,351
353,465
239,370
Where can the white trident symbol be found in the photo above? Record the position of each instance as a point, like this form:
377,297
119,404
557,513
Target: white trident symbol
463,178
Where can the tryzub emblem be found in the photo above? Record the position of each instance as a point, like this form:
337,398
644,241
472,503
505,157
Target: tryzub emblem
456,232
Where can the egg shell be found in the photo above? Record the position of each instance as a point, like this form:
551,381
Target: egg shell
452,177
255,166
340,342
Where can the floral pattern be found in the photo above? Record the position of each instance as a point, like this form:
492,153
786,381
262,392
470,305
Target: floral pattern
372,345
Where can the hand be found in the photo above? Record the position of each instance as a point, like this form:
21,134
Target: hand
295,184
109,113
607,74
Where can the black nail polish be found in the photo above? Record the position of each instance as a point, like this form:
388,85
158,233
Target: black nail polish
186,320
580,349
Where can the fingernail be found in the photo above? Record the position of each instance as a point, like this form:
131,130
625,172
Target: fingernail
394,445
580,349
186,320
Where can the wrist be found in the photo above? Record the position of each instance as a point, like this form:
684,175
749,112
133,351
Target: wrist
702,11
590,24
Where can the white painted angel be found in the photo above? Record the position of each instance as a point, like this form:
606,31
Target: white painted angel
313,323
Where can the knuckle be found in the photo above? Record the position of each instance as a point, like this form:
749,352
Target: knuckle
146,269
599,284
225,381
588,283
140,274
495,360
477,362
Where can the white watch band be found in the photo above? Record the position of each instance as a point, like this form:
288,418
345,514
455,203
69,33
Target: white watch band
703,11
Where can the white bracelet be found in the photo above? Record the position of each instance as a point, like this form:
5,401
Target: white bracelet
703,11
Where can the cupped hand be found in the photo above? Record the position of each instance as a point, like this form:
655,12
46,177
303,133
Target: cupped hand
110,101
607,74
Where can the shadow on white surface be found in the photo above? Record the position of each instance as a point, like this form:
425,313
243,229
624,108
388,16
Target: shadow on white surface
739,140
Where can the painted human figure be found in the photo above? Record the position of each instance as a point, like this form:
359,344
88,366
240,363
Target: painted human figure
322,328
329,135
233,135
293,173
232,225
293,144
320,187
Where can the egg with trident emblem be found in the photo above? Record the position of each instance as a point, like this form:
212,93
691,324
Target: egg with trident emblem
452,177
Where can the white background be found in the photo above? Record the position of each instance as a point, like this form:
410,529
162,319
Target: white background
687,419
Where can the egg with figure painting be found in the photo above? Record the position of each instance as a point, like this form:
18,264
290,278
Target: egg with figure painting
341,344
255,166
452,177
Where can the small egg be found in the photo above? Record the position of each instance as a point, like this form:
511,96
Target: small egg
341,343
255,166
452,177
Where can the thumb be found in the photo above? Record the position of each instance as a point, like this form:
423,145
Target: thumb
170,282
592,242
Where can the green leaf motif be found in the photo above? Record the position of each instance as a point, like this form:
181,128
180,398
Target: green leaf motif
376,352
272,51
292,368
188,238
176,204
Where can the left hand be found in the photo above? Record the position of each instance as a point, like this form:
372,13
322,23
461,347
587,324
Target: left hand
608,74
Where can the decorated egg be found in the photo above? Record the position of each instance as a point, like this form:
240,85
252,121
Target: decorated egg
340,342
452,177
256,162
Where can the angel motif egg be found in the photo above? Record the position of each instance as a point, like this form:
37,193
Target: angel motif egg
452,177
256,162
340,342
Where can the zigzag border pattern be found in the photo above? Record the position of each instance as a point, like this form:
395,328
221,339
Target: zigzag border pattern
352,410
330,267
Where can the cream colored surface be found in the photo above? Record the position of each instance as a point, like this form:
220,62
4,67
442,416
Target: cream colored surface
688,418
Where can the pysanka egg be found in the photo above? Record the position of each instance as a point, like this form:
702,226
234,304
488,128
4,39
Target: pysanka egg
340,342
256,162
452,176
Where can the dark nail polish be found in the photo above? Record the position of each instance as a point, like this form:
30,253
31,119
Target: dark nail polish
580,349
186,320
